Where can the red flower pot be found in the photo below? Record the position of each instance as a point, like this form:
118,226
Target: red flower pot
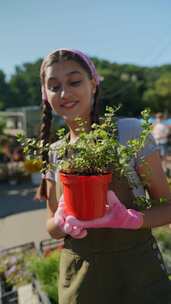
85,196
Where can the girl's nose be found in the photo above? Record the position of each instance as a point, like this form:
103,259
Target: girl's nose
64,93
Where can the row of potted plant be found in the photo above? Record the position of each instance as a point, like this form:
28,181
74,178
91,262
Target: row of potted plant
24,265
13,272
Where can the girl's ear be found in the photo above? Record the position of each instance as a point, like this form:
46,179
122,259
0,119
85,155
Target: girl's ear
44,94
94,85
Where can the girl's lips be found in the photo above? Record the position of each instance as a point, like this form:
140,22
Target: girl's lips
69,105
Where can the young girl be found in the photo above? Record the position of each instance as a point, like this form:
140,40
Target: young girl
114,259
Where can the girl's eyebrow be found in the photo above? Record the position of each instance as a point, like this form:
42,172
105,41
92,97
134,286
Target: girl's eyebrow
73,72
68,74
52,78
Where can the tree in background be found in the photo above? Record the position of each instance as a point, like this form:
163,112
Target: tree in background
122,84
2,126
25,85
132,86
158,97
5,92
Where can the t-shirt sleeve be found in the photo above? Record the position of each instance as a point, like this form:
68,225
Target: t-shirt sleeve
149,146
52,172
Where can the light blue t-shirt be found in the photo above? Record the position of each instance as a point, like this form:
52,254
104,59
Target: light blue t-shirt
128,128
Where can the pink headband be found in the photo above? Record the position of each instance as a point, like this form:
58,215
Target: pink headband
85,58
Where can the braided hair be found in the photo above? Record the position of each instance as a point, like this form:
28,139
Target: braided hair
58,56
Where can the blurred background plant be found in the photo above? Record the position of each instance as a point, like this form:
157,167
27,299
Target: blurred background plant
46,270
2,126
163,236
13,270
25,264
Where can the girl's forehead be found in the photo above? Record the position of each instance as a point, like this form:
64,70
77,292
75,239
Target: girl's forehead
63,69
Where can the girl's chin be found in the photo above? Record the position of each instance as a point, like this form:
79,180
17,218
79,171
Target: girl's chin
71,118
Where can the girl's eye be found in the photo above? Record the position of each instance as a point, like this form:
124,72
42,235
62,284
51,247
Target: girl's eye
54,88
75,83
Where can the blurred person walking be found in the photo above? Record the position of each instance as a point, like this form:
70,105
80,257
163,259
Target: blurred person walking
160,133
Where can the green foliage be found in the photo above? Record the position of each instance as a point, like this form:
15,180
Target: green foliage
33,150
2,105
162,234
169,181
2,126
32,147
159,95
145,202
99,150
46,270
25,85
5,91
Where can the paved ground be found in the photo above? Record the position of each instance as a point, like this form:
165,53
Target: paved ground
22,219
23,228
17,198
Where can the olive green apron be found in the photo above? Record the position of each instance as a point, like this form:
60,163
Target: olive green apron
113,266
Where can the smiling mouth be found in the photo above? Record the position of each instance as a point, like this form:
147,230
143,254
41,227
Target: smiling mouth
69,105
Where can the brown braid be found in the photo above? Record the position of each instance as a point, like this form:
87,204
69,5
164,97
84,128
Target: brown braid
95,108
47,111
44,136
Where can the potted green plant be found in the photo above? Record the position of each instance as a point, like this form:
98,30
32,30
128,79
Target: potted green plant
86,165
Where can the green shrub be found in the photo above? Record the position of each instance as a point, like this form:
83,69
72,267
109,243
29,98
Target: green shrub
46,269
13,269
169,181
163,236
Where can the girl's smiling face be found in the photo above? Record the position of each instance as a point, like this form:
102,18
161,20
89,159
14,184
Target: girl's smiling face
69,90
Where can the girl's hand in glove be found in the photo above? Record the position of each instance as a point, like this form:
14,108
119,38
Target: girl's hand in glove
60,219
117,216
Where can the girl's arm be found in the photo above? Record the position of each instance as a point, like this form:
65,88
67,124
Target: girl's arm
52,205
151,171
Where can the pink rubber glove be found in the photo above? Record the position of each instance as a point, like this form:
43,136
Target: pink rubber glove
117,216
60,219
